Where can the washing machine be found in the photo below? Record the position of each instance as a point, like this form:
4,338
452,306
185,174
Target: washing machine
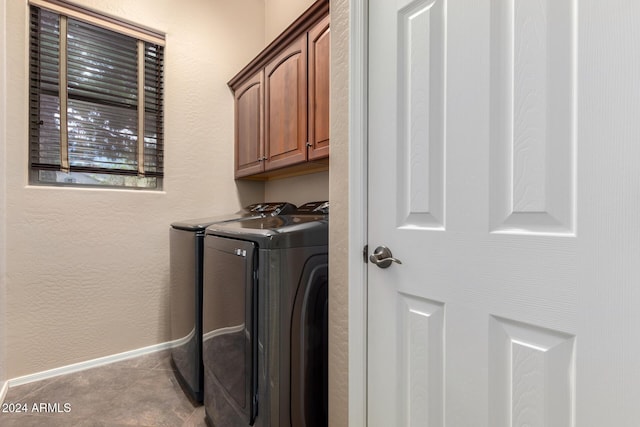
265,311
186,251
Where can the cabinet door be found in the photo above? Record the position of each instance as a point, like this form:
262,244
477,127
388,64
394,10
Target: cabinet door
249,135
286,107
319,45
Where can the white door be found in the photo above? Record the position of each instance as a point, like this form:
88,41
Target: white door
504,165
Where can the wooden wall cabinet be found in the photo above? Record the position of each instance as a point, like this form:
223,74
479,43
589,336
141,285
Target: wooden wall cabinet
319,55
249,135
282,102
286,107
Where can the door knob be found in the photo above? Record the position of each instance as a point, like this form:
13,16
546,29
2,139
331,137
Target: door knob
382,257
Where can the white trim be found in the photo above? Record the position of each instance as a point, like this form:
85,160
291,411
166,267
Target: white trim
182,341
3,391
119,25
222,331
357,212
94,363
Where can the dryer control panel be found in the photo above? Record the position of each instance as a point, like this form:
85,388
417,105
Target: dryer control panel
314,208
272,208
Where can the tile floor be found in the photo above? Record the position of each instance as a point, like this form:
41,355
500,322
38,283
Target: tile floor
136,392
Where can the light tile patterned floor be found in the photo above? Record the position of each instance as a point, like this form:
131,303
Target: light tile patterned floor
137,392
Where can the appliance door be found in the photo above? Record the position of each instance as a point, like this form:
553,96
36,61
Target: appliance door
229,345
309,368
185,288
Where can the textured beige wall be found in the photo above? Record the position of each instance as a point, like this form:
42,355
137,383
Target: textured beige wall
339,229
3,341
279,14
87,270
300,189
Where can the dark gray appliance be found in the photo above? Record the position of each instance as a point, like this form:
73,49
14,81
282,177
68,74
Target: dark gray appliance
265,320
186,250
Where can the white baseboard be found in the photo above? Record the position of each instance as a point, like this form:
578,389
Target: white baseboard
81,366
3,391
222,331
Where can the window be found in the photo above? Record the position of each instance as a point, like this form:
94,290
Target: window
96,99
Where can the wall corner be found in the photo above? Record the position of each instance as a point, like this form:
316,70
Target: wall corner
3,192
339,229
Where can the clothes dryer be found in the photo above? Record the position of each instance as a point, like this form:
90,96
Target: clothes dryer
186,250
265,311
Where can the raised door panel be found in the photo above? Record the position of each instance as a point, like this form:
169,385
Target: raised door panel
533,121
319,56
286,107
420,190
249,101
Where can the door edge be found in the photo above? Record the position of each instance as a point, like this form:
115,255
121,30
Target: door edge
358,212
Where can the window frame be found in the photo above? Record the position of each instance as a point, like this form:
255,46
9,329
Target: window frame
137,173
